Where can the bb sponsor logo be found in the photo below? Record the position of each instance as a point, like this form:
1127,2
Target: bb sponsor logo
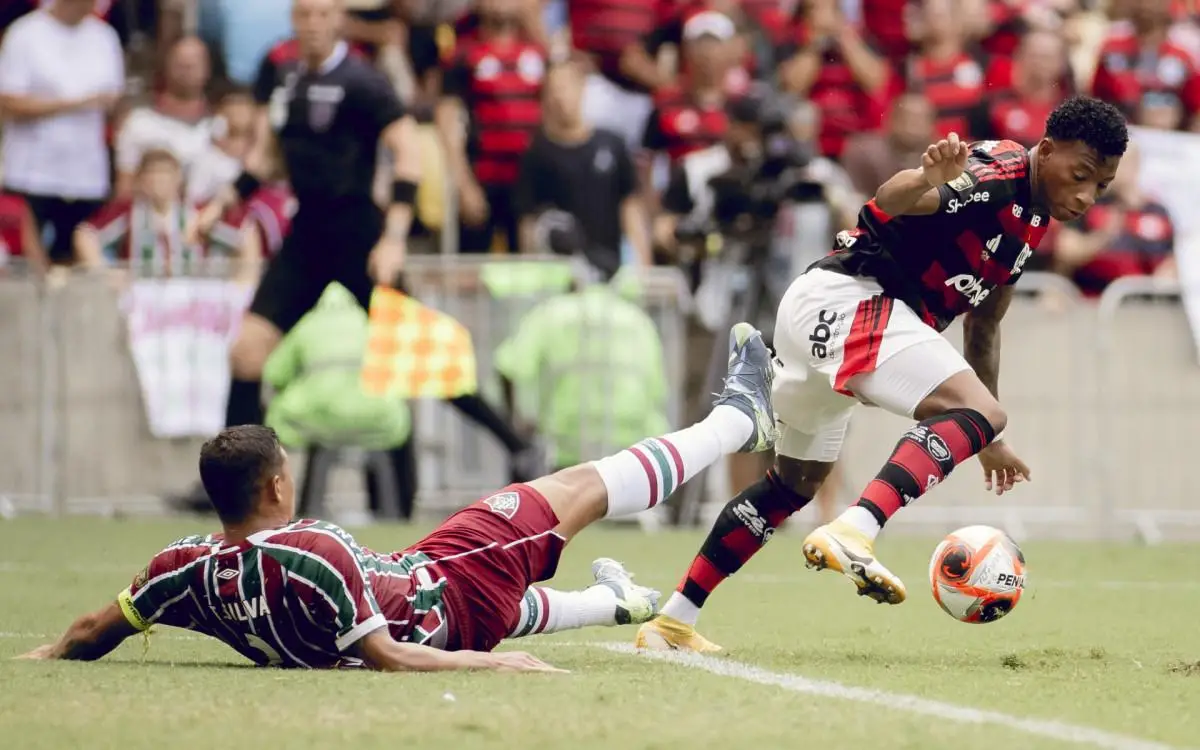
828,326
970,287
505,504
955,205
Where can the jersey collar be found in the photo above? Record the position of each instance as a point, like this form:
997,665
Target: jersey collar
340,51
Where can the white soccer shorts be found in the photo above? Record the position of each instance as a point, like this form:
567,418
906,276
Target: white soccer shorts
839,340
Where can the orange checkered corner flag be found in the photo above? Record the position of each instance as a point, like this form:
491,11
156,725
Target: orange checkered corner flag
414,351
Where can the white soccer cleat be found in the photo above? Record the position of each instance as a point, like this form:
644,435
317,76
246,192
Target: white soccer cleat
635,604
748,385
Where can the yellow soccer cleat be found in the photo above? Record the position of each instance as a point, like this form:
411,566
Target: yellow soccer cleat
668,634
839,546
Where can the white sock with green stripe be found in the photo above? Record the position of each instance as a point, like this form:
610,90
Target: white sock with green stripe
640,477
546,610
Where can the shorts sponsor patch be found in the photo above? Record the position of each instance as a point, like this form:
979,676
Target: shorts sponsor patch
505,504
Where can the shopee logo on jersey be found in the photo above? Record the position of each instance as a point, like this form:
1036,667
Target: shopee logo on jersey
829,324
955,205
970,287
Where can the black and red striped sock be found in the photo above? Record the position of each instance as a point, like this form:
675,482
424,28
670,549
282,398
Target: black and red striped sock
924,457
745,524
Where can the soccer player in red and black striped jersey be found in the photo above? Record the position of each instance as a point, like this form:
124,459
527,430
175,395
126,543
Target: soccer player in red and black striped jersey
864,325
304,594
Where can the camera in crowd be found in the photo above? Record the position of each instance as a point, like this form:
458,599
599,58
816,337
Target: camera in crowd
748,196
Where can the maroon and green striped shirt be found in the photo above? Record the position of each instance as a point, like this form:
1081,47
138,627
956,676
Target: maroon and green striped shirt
297,596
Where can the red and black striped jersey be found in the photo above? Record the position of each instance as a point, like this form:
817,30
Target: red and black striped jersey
1145,240
604,28
297,596
985,229
679,125
846,107
954,86
1012,117
1131,76
885,22
500,85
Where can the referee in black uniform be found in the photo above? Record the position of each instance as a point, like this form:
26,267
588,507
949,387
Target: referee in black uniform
325,112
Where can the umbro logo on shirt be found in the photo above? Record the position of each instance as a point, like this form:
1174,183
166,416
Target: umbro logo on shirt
226,574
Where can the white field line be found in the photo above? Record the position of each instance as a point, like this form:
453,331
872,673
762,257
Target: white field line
1054,730
1049,729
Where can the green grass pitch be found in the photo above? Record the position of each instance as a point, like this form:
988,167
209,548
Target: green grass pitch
1106,638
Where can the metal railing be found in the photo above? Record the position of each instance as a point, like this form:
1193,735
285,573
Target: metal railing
1103,397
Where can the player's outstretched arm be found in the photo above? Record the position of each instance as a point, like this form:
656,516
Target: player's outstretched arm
380,652
89,638
915,191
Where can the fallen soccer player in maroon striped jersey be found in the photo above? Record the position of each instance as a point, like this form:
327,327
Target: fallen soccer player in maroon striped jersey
304,594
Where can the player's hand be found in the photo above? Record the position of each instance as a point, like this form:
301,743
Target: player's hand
1002,470
944,160
518,661
41,653
387,261
473,204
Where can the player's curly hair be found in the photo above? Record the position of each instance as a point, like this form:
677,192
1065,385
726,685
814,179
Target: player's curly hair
1096,123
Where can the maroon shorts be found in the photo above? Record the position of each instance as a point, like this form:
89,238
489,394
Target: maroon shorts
491,552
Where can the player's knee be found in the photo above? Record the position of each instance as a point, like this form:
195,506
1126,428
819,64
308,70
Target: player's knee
987,407
804,478
964,391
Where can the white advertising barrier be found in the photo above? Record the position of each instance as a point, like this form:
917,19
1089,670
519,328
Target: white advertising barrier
1170,172
180,331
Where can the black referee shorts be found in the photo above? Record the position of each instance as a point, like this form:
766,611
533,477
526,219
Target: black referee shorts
328,243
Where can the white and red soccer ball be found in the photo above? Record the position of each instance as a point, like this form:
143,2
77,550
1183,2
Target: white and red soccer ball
977,574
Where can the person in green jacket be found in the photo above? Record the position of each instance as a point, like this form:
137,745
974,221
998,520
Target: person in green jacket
319,401
593,362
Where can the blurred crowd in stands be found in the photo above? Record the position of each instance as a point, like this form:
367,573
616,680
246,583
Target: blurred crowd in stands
122,116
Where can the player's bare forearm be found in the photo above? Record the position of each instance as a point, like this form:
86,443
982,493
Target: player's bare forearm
981,337
380,652
91,637
907,192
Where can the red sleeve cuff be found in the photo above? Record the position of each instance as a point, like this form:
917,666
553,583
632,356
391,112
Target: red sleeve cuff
879,213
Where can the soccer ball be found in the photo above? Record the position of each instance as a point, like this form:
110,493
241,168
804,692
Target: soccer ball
977,574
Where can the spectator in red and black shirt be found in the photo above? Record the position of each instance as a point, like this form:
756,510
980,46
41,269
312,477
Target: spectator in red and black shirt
942,71
1125,234
1145,69
692,116
496,76
1018,112
831,63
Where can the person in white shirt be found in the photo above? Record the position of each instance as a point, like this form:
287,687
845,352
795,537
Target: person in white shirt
179,118
61,72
